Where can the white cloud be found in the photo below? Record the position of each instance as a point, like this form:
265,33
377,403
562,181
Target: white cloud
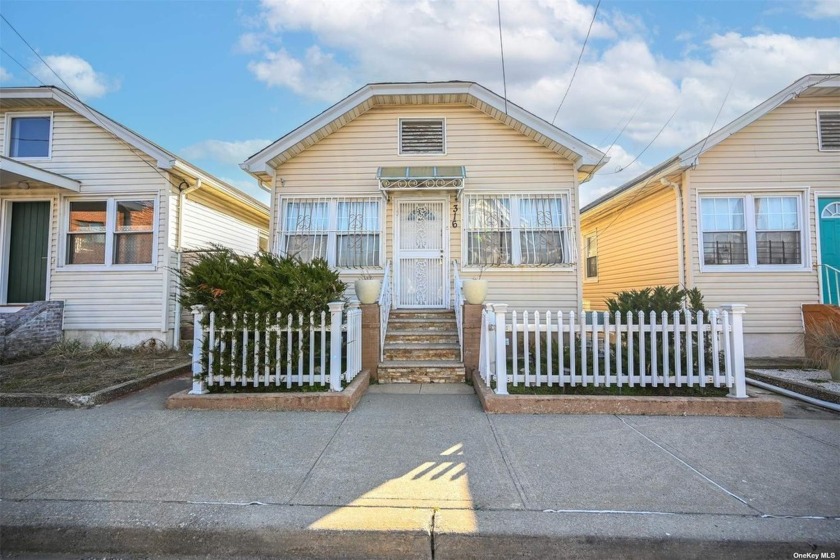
355,42
620,169
5,74
818,9
222,151
78,73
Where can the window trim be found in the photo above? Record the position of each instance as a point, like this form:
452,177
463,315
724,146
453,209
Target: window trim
584,264
426,154
332,216
110,227
802,195
819,130
11,115
571,227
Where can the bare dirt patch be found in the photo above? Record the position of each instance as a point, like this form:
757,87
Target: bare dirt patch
73,369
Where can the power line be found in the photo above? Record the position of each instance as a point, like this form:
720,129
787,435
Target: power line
661,130
502,48
578,62
37,79
38,55
607,151
720,110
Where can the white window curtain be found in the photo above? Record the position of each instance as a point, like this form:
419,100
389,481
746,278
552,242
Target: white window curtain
522,229
345,232
751,230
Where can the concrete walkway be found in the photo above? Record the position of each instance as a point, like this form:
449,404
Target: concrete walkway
415,473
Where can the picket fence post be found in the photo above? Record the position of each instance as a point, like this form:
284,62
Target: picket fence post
336,309
739,386
199,386
501,350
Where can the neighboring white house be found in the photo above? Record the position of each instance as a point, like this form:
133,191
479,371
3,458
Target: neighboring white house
433,177
95,215
750,214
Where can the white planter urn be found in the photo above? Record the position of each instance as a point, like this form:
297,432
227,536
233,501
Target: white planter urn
368,290
475,291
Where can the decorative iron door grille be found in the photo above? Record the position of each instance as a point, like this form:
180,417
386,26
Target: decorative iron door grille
421,276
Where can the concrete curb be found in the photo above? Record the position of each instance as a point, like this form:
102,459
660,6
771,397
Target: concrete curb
756,407
795,386
304,532
345,401
65,400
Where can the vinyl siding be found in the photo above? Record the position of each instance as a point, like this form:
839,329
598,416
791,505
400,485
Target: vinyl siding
497,159
205,225
637,248
777,153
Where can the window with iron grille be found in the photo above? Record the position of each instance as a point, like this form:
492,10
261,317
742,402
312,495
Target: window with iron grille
522,229
751,230
591,248
422,136
346,232
829,129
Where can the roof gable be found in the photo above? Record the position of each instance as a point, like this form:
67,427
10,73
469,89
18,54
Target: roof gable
360,102
810,85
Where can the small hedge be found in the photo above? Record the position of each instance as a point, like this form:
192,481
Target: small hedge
226,282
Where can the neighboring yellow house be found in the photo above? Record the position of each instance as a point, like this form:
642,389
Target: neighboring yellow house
433,177
749,215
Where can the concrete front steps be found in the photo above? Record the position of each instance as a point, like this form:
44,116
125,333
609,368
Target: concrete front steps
421,346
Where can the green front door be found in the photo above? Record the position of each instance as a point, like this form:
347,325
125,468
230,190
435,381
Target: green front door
28,244
829,212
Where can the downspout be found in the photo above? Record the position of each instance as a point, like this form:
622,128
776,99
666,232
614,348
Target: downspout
183,190
680,247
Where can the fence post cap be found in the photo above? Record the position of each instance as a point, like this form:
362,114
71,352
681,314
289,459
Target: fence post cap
336,306
734,307
354,305
499,307
198,309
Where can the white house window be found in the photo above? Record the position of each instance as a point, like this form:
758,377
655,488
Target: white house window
517,230
110,232
751,230
346,232
422,136
29,136
724,231
591,249
829,129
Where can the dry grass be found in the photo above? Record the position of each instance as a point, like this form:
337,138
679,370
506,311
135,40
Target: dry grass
71,368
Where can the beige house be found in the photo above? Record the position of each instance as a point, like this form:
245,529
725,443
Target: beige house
433,178
749,215
96,216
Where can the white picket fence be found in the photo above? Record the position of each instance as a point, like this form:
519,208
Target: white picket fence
252,350
562,348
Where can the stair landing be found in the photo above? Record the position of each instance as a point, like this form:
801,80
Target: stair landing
421,346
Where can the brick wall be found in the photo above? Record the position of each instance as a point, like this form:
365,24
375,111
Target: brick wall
31,331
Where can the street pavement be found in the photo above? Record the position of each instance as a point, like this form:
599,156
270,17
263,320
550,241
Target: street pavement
414,472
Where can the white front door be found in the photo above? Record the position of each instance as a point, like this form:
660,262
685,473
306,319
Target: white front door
421,243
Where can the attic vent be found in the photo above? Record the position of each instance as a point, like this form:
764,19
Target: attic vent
422,136
829,130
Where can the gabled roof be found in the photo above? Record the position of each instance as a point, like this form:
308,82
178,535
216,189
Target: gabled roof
356,104
810,85
12,98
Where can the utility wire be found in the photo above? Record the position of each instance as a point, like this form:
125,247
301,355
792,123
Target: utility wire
13,59
502,48
38,55
607,151
717,116
578,62
661,130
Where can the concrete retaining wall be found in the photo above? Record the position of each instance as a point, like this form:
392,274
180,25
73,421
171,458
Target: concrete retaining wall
32,330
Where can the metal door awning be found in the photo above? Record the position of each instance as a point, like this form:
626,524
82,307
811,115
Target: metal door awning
425,178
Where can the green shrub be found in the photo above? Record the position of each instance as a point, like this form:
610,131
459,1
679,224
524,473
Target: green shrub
657,299
264,284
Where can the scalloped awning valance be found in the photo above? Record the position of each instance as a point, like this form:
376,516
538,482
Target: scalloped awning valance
424,178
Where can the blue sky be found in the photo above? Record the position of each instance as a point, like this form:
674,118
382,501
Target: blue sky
215,81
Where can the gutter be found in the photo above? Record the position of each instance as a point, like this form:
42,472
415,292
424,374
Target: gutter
179,236
680,226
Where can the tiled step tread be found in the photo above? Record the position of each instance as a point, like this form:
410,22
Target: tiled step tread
437,364
410,320
421,346
421,332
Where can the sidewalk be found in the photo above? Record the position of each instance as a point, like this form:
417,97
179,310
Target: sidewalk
417,475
